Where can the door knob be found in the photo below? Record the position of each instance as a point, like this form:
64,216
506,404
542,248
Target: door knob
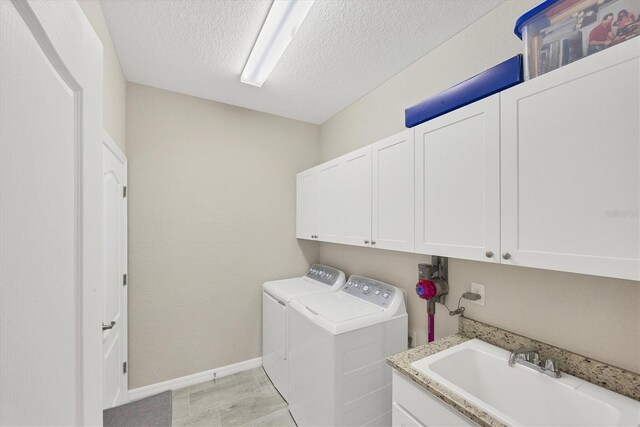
489,254
506,255
109,326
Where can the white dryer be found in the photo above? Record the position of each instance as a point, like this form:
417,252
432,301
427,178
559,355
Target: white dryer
338,342
276,296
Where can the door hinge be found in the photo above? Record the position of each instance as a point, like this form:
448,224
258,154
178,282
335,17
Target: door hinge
124,191
124,368
124,280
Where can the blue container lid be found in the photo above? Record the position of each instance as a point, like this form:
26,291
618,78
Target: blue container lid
493,80
530,14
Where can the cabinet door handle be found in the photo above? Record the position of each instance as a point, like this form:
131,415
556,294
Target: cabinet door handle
373,243
489,254
506,255
109,326
366,242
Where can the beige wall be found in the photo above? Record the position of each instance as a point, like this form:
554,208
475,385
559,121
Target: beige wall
211,217
114,84
594,316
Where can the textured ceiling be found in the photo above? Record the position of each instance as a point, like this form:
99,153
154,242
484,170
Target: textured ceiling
343,50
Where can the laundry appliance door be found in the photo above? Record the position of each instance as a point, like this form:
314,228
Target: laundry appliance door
274,342
311,363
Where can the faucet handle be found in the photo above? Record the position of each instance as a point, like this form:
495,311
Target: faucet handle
551,365
534,357
551,368
526,354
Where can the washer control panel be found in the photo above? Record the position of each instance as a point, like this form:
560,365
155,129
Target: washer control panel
323,274
373,291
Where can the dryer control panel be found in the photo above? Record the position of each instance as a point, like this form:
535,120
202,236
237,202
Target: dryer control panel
373,291
323,274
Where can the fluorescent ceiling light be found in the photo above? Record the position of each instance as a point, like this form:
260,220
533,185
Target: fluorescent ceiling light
283,20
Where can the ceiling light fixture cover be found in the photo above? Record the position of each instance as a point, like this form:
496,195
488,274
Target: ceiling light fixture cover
283,20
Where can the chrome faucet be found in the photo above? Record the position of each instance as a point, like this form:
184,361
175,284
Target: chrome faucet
530,358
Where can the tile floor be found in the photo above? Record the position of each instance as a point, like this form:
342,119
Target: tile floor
244,399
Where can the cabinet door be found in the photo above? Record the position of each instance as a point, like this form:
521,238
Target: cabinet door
570,167
392,179
307,204
331,218
357,203
458,183
401,418
414,406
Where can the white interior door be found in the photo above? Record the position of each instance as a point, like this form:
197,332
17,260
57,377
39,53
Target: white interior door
393,188
50,215
114,315
357,198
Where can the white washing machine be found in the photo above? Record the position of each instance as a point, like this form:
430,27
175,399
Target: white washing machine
338,342
276,296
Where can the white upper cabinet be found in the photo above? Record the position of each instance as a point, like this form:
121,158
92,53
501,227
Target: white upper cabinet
457,197
357,201
330,202
392,182
570,167
545,174
307,204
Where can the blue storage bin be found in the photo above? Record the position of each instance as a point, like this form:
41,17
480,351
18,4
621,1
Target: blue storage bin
493,80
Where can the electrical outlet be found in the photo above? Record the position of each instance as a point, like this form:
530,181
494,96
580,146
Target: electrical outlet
478,288
413,339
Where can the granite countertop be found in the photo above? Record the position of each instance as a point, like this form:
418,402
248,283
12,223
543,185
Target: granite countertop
402,363
608,376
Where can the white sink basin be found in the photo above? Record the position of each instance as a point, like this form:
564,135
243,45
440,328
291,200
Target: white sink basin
517,395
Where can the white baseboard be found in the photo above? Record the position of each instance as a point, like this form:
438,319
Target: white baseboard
177,383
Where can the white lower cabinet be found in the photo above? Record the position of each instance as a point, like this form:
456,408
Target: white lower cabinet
457,191
413,406
401,418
